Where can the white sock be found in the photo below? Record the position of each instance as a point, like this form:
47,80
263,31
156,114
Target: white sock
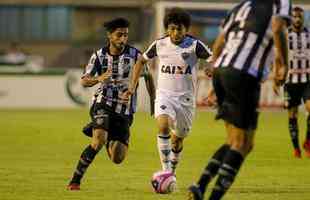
164,149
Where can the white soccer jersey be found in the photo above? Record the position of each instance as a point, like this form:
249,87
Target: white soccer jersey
178,64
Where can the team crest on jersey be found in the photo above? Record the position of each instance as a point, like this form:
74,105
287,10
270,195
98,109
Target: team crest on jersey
163,107
185,55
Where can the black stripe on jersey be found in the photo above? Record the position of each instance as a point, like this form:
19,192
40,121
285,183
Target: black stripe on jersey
263,60
115,63
201,51
258,43
299,66
291,67
233,60
307,67
115,95
151,52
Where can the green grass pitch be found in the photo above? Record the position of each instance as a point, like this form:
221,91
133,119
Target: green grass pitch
40,148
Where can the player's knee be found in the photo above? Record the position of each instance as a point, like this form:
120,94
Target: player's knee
239,144
99,139
97,145
118,152
293,112
308,106
164,129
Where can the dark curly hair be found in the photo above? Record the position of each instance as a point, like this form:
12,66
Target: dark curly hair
112,25
297,9
177,16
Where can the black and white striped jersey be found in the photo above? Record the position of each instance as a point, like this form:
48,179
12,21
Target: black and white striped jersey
249,38
109,92
299,56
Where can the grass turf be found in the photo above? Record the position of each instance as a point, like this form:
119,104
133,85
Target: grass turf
40,148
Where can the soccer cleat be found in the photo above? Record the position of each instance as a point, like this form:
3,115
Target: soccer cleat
307,148
194,193
73,186
297,153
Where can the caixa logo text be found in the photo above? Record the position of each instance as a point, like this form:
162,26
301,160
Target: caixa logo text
167,69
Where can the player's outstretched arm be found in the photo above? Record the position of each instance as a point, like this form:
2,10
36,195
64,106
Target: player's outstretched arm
279,28
150,86
216,52
218,46
137,69
89,81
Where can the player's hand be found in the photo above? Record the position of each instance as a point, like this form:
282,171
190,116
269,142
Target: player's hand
125,96
105,76
208,72
279,79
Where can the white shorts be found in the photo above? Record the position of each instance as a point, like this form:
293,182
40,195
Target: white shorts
180,108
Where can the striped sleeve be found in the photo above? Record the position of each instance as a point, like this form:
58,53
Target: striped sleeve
283,8
91,67
227,22
202,51
151,52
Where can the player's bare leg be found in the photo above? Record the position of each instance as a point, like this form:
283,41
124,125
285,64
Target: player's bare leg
177,147
293,128
117,151
163,140
306,144
98,140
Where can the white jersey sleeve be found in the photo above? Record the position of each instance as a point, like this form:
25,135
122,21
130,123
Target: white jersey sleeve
91,67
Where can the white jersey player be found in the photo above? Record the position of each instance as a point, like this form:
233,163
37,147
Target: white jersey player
178,55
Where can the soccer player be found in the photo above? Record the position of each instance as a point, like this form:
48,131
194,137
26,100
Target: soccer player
243,54
297,85
110,67
178,55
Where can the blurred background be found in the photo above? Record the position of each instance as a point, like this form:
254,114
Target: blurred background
45,44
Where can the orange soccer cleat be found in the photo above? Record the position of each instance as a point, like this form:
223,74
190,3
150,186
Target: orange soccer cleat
73,186
307,148
297,153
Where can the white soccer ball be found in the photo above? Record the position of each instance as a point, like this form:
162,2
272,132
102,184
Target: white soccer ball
164,182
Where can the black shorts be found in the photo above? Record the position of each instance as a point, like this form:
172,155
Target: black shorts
117,125
238,97
295,92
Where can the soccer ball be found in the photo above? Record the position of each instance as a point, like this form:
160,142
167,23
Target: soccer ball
164,182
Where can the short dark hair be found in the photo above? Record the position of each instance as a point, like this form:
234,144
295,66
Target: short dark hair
112,25
177,16
297,9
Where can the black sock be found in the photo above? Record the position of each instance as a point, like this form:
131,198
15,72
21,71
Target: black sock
308,128
227,173
212,168
87,157
293,127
